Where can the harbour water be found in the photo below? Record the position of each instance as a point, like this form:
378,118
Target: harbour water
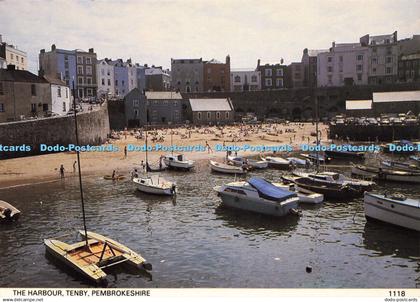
193,242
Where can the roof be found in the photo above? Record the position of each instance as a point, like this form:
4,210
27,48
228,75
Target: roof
214,61
358,104
210,105
396,96
315,52
414,56
155,71
55,81
163,95
20,76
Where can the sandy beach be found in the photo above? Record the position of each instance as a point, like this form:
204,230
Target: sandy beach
42,168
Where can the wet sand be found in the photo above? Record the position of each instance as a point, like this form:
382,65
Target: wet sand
42,168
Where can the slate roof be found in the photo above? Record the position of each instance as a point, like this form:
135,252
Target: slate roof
20,76
163,95
210,105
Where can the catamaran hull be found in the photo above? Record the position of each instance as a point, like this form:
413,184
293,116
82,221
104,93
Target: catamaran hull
259,206
387,211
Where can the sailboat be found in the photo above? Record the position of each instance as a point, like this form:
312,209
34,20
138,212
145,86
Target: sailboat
177,161
153,184
96,252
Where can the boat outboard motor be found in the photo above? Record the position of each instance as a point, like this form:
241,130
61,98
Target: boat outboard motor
7,213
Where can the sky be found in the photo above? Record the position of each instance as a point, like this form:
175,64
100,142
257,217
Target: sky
154,31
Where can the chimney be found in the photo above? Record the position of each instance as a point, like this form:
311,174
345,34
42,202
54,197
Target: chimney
11,67
91,50
145,65
227,60
53,47
42,50
258,63
333,44
1,39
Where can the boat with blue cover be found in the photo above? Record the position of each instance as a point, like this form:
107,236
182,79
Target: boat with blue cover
258,195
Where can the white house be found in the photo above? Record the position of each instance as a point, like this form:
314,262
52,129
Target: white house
343,64
105,77
245,80
60,96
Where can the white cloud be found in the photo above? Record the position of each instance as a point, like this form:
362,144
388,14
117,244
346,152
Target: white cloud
154,31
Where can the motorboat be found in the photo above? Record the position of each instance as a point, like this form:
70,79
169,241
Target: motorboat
241,161
277,162
155,184
227,169
298,162
8,213
386,174
331,191
305,196
402,166
94,254
258,195
313,157
178,161
344,154
394,209
336,178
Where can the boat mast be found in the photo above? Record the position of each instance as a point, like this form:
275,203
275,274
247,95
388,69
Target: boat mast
147,121
172,144
317,134
78,165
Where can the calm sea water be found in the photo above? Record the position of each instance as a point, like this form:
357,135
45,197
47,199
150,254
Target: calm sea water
193,242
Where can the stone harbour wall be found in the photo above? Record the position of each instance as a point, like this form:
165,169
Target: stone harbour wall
93,128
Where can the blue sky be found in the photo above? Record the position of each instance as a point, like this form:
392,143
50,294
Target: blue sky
155,31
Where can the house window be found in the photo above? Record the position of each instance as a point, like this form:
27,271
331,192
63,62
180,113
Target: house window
79,69
122,82
208,115
175,103
237,79
59,91
279,83
44,107
17,59
89,92
1,107
1,89
33,89
64,107
80,80
11,56
374,60
374,49
103,81
66,65
116,82
389,59
329,79
88,61
188,89
389,51
359,57
359,67
329,59
79,60
199,115
359,76
135,103
33,107
254,79
268,72
218,115
67,93
279,72
268,82
329,68
340,58
389,70
227,115
89,70
108,72
373,70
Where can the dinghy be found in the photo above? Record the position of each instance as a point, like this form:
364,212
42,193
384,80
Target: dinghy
99,253
8,213
305,196
227,169
178,161
298,162
394,209
241,161
386,174
155,184
277,162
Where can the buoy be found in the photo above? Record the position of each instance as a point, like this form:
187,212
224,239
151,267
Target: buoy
309,269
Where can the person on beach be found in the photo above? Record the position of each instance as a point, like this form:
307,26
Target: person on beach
62,171
113,175
209,149
74,166
143,166
125,152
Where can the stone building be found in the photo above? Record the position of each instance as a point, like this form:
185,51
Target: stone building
383,58
211,111
273,76
164,107
343,64
157,79
135,108
11,55
245,80
309,62
71,64
187,75
216,75
409,68
22,95
295,75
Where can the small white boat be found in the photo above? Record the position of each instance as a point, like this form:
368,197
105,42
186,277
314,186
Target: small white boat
337,178
386,174
155,185
258,195
227,169
178,161
298,162
277,162
305,196
313,157
396,210
8,213
402,166
240,161
99,253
